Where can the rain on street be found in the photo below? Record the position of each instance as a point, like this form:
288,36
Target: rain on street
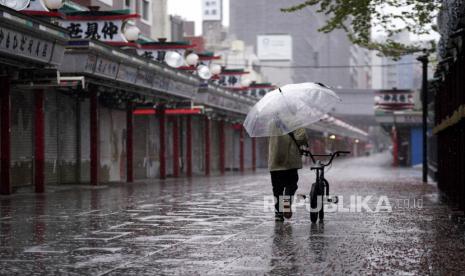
220,225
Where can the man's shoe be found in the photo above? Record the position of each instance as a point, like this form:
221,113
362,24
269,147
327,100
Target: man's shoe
278,217
287,211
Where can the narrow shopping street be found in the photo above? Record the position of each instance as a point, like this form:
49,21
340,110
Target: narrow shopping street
221,225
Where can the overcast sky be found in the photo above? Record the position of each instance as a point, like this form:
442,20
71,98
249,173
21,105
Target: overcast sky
192,10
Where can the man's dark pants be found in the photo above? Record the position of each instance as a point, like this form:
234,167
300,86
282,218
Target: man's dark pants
284,182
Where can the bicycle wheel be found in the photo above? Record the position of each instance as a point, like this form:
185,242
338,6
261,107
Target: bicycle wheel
314,195
325,187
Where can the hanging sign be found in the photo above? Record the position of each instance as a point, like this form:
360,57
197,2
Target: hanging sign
20,44
394,100
230,78
259,91
96,25
157,54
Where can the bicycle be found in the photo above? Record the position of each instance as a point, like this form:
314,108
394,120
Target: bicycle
321,186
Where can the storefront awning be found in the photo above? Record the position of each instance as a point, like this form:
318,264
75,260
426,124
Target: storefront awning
102,62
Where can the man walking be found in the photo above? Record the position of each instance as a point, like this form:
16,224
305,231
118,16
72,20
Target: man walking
284,160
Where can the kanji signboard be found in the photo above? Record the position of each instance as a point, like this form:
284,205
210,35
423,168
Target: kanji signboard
16,43
394,100
103,30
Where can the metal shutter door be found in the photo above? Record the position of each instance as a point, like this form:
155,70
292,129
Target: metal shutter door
236,149
215,146
84,149
112,130
153,148
198,145
21,137
51,137
140,146
262,152
247,151
67,138
229,147
169,145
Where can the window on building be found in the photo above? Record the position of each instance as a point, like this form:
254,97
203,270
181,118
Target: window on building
146,11
127,3
213,12
206,12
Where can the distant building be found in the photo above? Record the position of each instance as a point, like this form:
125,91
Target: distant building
404,73
212,23
250,19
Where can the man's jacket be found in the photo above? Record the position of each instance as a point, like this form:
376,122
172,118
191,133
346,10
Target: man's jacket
283,153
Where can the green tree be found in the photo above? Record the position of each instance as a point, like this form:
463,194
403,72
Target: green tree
358,17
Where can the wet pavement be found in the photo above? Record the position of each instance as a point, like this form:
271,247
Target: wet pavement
222,226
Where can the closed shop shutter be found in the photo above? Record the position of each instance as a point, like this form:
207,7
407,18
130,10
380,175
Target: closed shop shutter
112,141
262,152
51,137
198,145
229,147
67,138
84,123
247,151
141,124
215,146
169,145
153,148
237,146
182,145
22,109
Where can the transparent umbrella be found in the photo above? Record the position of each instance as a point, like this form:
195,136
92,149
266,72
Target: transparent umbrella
288,108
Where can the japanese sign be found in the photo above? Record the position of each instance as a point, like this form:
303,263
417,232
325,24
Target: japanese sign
157,54
16,43
103,30
230,81
394,100
258,92
127,74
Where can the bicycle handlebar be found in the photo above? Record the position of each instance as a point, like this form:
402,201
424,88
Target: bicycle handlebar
332,155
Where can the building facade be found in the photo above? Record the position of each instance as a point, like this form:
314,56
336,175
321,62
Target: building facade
249,19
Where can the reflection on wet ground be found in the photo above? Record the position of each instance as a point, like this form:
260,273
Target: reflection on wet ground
218,226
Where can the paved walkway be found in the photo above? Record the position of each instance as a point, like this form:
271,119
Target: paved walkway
219,225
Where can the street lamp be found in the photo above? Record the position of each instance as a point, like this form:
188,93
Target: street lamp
131,31
174,59
424,98
215,69
53,4
15,4
204,72
192,59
